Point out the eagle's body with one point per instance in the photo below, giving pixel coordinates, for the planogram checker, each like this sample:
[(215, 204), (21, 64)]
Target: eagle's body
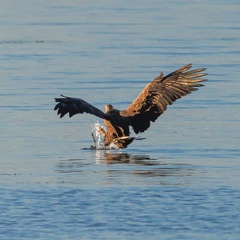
[(146, 108)]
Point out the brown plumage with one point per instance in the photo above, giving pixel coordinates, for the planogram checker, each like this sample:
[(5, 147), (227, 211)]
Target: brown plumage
[(146, 108)]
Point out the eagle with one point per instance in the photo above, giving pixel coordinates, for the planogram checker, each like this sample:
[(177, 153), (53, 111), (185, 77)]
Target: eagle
[(146, 108)]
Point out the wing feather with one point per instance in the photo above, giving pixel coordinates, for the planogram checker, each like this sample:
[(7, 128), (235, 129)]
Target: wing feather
[(160, 93), (75, 106)]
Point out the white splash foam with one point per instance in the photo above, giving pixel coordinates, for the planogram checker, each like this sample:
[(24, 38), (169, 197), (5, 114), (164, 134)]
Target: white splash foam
[(99, 138)]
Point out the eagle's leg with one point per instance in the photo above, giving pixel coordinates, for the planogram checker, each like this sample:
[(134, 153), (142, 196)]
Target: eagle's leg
[(102, 131)]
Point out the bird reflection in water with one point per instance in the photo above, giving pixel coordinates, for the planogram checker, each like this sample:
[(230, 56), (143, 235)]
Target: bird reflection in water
[(114, 157), (138, 164), (145, 165)]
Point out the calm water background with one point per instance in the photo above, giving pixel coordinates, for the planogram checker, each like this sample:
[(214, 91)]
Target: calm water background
[(182, 182)]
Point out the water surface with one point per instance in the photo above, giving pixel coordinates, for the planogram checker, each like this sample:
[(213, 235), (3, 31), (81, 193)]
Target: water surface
[(181, 182)]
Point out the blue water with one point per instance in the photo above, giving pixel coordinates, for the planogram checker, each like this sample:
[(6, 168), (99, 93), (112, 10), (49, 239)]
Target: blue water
[(181, 182), (153, 212)]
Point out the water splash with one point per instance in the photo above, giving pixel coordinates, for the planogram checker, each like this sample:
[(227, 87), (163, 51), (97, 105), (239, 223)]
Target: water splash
[(98, 137)]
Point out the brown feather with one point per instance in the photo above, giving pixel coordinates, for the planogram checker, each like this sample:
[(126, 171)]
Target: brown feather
[(146, 108), (160, 93)]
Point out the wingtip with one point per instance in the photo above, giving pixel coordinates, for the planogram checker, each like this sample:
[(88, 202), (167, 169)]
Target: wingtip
[(56, 99), (184, 68)]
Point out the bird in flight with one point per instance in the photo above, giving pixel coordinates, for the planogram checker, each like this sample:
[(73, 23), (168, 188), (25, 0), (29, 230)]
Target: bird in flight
[(146, 108)]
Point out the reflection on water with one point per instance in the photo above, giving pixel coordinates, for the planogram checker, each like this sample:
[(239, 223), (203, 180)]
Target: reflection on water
[(121, 164), (111, 157)]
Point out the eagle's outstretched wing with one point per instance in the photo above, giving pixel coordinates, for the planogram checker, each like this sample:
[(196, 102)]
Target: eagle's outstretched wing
[(76, 105), (160, 93)]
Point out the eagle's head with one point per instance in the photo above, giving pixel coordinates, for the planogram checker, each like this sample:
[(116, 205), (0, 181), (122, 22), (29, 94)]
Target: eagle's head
[(108, 108)]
